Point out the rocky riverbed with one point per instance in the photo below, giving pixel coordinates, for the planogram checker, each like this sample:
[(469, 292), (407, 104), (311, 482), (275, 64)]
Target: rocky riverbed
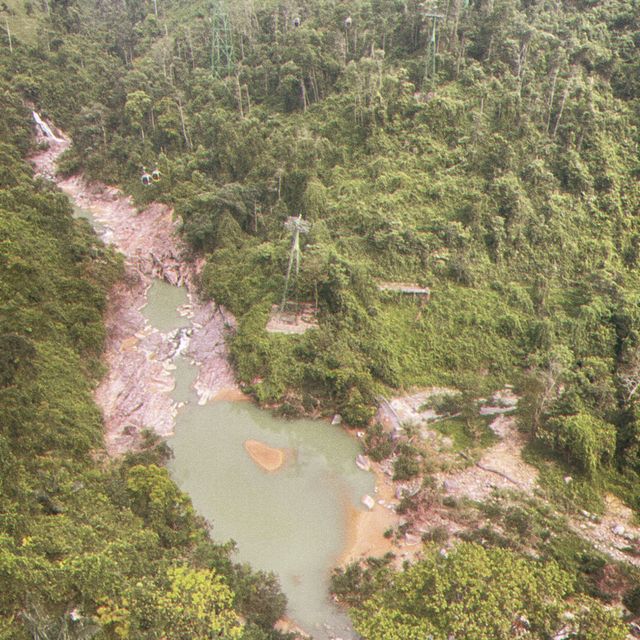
[(136, 393)]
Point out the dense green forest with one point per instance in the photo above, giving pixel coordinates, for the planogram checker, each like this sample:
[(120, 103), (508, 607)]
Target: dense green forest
[(486, 149), (505, 180)]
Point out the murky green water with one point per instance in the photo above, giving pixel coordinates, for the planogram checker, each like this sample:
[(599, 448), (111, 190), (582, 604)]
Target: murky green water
[(161, 309), (292, 521)]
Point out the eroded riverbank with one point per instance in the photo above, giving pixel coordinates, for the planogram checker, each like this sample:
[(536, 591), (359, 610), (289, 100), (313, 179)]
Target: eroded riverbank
[(136, 392)]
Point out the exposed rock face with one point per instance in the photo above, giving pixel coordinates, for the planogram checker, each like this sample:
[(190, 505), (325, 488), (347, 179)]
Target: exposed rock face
[(136, 393), (208, 349), (450, 486)]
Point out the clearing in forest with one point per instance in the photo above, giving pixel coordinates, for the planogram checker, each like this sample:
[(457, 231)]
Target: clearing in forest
[(294, 318)]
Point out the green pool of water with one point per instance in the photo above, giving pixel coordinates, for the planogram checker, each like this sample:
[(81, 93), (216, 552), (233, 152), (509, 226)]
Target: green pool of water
[(161, 308), (292, 521)]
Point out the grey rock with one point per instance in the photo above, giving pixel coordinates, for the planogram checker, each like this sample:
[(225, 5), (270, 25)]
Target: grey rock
[(450, 485), (411, 539), (363, 462), (368, 502)]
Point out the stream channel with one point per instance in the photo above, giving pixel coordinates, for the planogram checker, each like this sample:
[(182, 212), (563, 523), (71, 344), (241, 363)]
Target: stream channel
[(293, 521)]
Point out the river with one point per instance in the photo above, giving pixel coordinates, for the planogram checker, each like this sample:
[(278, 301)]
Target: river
[(292, 521), (169, 370)]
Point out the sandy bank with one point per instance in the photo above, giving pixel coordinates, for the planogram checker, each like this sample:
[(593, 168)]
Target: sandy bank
[(231, 394), (266, 457), (365, 529)]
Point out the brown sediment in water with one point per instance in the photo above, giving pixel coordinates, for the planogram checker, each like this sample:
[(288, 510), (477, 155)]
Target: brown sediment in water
[(231, 394), (287, 625), (266, 457), (365, 529)]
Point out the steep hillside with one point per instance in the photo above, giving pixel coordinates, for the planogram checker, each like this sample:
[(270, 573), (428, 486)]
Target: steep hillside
[(89, 547), (485, 151)]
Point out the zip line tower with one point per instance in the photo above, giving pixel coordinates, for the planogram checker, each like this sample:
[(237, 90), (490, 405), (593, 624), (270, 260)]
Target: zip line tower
[(296, 226)]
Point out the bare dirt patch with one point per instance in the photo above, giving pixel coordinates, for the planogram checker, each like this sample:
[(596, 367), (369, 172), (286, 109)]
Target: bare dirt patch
[(614, 533), (292, 322), (409, 409), (500, 467)]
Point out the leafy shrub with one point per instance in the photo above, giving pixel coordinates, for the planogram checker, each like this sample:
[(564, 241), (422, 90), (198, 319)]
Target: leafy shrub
[(406, 466), (378, 444), (437, 535), (631, 600), (586, 440)]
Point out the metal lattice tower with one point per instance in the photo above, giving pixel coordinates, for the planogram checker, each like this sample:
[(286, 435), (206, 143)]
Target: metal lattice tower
[(296, 226), (432, 14), (222, 57)]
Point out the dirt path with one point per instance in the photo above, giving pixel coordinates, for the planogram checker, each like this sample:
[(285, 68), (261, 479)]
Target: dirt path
[(136, 392)]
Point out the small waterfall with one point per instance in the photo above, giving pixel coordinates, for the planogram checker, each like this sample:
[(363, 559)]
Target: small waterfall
[(181, 338), (44, 127)]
